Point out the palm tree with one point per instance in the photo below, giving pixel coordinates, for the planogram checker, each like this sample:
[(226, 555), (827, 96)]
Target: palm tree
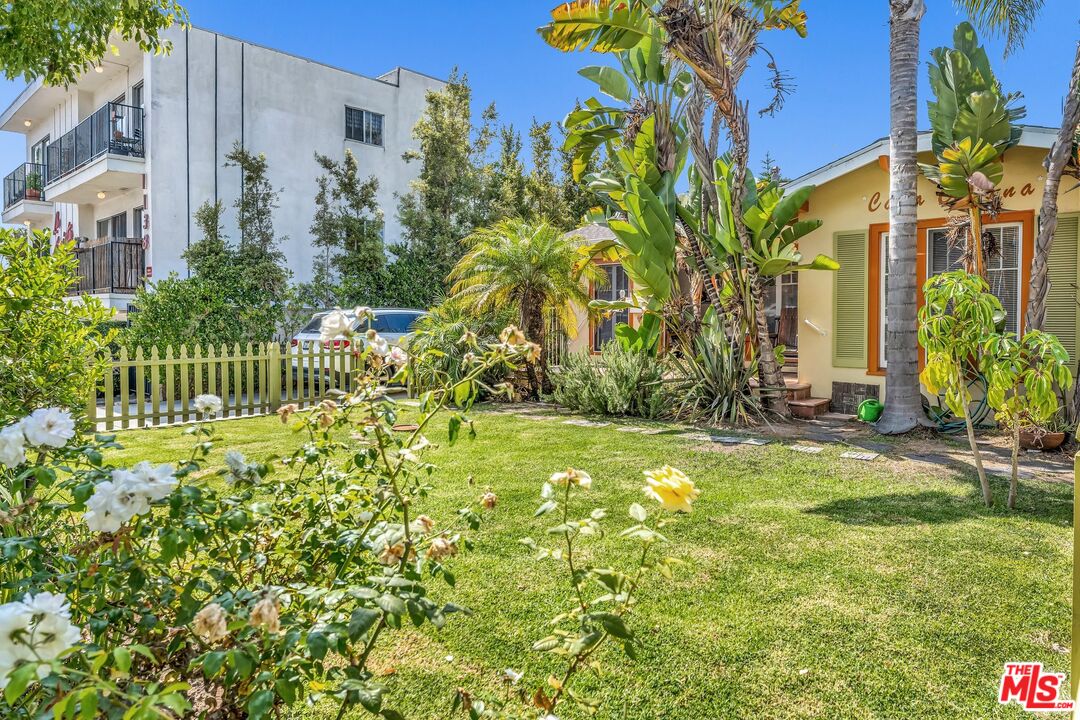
[(903, 411), (532, 267), (1059, 158), (1012, 18)]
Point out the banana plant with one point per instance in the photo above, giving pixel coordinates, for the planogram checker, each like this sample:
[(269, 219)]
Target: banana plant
[(973, 125)]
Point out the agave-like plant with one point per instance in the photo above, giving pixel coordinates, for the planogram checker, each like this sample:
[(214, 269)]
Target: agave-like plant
[(973, 125)]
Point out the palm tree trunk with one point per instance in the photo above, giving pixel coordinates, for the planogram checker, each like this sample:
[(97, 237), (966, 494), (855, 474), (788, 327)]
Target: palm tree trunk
[(903, 407), (1059, 155), (532, 322)]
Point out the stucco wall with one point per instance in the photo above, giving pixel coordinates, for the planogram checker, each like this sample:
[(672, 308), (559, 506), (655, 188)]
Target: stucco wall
[(289, 108), (844, 204)]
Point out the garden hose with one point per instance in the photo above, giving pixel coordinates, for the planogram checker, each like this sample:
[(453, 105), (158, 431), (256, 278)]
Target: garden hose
[(978, 410)]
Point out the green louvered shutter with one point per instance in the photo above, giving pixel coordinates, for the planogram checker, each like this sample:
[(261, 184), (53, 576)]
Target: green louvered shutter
[(1061, 316), (849, 300)]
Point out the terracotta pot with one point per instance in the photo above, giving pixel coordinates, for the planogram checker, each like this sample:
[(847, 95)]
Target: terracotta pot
[(1030, 440), (32, 194)]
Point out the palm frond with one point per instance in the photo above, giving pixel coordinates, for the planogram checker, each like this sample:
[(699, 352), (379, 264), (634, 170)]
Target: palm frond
[(1009, 18)]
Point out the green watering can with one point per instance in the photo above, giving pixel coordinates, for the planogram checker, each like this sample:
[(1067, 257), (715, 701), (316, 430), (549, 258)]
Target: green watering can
[(870, 410)]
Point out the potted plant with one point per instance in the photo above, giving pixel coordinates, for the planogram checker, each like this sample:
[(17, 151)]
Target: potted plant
[(1046, 436), (33, 186)]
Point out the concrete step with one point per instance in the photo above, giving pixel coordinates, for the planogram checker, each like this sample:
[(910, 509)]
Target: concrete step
[(798, 391), (809, 408)]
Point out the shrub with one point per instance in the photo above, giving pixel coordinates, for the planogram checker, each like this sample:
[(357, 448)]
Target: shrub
[(618, 382), (52, 348), (439, 352), (233, 585)]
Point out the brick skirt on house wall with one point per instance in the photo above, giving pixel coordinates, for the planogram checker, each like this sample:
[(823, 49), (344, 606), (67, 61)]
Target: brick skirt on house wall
[(846, 397)]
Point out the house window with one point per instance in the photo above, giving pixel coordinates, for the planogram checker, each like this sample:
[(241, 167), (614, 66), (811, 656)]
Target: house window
[(617, 287), (103, 228), (363, 126), (113, 227), (37, 151), (1002, 270), (137, 95), (137, 222), (883, 297)]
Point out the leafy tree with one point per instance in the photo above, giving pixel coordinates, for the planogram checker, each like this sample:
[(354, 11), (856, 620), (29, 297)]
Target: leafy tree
[(58, 41), (53, 349), (1023, 377), (348, 223), (508, 176), (542, 194), (258, 251), (957, 319), (450, 196), (528, 266), (225, 301)]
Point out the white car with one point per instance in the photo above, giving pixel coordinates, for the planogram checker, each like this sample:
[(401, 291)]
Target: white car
[(392, 324)]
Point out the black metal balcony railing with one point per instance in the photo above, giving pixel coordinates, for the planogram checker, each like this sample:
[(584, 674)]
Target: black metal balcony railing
[(113, 128), (24, 183), (114, 265)]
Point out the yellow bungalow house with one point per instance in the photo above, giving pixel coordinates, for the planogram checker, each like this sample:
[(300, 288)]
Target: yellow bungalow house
[(842, 315), (833, 324)]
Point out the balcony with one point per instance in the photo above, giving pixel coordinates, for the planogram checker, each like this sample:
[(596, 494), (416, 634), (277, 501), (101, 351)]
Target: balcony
[(110, 266), (103, 153), (24, 199)]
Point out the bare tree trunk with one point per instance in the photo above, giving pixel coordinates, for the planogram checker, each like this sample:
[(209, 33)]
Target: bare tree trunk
[(988, 498), (1048, 213), (1014, 481), (903, 406)]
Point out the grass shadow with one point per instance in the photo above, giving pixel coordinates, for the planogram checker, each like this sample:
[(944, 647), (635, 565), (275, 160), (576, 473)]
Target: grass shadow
[(1038, 501)]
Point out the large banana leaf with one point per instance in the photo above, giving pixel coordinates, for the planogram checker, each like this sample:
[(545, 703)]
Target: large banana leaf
[(960, 162), (611, 81), (599, 25)]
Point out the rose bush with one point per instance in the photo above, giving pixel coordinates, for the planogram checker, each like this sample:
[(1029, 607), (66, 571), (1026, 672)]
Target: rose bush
[(218, 586)]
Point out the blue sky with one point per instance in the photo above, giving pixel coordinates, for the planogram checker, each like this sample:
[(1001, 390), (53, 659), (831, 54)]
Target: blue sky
[(841, 69)]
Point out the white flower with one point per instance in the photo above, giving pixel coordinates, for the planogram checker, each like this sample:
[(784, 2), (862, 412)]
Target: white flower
[(12, 449), (266, 613), (240, 468), (363, 312), (378, 345), (210, 623), (207, 405), (398, 356), (511, 675), (157, 482), (37, 629), (114, 502), (572, 477), (51, 427), (334, 326)]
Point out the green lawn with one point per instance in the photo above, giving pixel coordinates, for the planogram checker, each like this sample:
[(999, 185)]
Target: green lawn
[(815, 587)]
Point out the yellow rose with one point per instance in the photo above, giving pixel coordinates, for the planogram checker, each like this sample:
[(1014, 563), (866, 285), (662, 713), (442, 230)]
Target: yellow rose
[(671, 488)]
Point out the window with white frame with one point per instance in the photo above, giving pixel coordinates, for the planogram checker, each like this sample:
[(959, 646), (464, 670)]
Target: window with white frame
[(363, 126), (883, 296), (1002, 270), (617, 287)]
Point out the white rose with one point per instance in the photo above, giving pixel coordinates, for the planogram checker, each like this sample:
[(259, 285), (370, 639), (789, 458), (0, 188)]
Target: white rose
[(207, 405), (114, 502), (378, 345), (157, 482), (15, 620), (334, 326), (210, 623), (12, 448), (50, 427), (398, 356), (363, 312), (37, 628)]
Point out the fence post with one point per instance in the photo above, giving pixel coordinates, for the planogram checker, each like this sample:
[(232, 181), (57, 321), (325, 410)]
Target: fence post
[(1074, 674), (274, 377)]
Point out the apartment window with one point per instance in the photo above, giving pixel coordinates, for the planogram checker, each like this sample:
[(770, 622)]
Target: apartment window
[(1002, 271), (113, 227), (137, 95), (103, 228), (137, 222), (616, 288), (363, 126)]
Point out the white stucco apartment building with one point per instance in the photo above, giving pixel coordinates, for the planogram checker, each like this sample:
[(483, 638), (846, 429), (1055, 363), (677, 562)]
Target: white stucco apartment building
[(119, 161)]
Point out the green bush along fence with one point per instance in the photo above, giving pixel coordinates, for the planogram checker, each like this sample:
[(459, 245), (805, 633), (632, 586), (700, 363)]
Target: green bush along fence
[(148, 388)]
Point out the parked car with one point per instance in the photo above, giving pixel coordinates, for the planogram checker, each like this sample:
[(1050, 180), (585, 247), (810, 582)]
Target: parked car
[(392, 324)]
